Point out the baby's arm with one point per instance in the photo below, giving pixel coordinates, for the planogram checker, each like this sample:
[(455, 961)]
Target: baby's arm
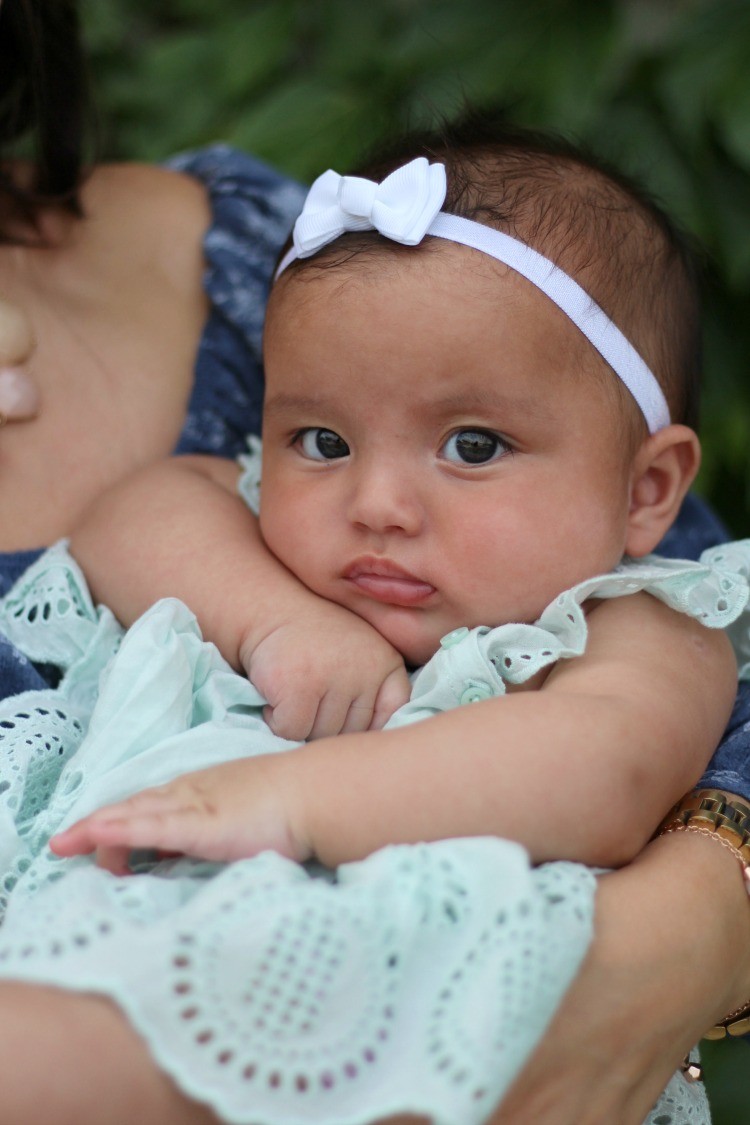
[(179, 529), (582, 769)]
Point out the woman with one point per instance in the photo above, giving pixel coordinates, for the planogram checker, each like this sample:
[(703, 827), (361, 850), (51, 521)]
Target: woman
[(102, 317)]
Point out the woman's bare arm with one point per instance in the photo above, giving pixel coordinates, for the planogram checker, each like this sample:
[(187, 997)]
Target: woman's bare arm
[(670, 957)]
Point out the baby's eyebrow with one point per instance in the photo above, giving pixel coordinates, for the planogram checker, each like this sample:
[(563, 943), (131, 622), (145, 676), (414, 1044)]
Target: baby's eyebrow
[(285, 403), (490, 400), (481, 400)]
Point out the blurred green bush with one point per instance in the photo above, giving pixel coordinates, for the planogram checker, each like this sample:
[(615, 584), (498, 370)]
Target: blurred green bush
[(661, 87)]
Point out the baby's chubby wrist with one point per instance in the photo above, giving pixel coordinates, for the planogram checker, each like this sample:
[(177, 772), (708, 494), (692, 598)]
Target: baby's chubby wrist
[(320, 668), (285, 602), (292, 615), (292, 777), (315, 782)]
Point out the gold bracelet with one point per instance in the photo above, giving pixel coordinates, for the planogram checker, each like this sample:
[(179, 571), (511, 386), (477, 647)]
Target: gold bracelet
[(734, 1024), (711, 813)]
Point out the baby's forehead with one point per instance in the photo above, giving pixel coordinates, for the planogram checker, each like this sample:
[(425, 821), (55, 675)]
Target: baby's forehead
[(443, 277), (487, 322)]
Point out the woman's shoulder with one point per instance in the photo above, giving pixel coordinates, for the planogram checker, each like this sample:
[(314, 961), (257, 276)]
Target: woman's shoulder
[(147, 209), (232, 203), (115, 182)]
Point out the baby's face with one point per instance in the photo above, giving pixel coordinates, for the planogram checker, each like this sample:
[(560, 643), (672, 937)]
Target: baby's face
[(433, 453)]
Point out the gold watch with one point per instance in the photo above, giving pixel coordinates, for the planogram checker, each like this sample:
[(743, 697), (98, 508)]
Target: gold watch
[(726, 819)]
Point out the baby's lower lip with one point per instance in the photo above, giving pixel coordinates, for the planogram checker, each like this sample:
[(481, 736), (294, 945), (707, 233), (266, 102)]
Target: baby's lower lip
[(393, 591)]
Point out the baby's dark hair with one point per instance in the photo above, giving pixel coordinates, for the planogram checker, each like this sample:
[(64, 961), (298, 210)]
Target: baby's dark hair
[(591, 220)]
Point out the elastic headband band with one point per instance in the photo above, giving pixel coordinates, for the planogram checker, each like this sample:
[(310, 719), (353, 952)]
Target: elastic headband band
[(406, 206)]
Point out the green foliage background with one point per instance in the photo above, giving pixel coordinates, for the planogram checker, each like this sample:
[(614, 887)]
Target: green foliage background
[(661, 87)]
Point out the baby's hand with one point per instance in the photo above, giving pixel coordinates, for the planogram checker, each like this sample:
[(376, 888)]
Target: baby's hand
[(325, 671), (230, 811)]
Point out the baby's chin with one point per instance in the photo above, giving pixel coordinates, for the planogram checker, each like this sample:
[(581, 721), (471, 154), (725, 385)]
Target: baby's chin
[(416, 646)]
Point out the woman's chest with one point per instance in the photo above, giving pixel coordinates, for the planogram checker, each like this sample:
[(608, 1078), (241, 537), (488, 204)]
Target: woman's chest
[(115, 313)]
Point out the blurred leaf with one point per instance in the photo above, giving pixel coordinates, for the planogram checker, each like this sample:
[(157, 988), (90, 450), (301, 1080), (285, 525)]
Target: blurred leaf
[(301, 127), (253, 48), (728, 191), (733, 116), (660, 87)]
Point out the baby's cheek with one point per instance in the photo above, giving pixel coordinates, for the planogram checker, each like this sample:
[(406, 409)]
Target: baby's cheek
[(274, 522), (286, 532)]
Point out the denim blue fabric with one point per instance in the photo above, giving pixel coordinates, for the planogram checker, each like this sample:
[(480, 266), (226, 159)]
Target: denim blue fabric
[(696, 529), (253, 208), (12, 566), (17, 673)]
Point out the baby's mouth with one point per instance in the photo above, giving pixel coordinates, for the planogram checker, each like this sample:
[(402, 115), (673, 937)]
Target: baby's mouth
[(386, 581)]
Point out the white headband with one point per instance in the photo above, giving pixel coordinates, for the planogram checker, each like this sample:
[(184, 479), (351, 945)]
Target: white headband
[(406, 206)]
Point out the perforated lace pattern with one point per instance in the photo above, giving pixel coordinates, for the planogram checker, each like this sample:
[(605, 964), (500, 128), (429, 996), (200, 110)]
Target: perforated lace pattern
[(49, 616), (420, 978), (284, 998), (682, 1103)]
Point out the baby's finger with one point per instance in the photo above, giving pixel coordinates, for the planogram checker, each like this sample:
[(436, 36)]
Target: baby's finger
[(293, 718), (114, 859), (170, 831), (359, 717), (333, 711), (395, 691), (72, 841), (81, 838)]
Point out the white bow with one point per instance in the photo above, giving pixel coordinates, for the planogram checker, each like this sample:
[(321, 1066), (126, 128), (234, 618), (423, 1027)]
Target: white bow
[(401, 207)]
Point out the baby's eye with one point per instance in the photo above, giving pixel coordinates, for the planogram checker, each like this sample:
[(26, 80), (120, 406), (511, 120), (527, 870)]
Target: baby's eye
[(473, 447), (321, 445)]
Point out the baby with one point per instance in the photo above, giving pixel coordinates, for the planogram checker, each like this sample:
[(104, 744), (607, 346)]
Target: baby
[(481, 365), (454, 434)]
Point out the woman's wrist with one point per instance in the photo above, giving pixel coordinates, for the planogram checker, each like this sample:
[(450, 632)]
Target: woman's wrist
[(670, 956), (718, 816), (722, 819), (703, 923)]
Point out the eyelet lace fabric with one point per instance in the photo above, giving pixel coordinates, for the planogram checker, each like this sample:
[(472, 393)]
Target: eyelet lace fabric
[(417, 980), (682, 1103)]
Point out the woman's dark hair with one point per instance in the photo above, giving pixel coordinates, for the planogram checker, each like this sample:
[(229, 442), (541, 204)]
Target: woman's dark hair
[(44, 106)]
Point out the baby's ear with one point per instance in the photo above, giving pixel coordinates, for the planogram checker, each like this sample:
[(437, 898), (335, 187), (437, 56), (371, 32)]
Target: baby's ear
[(663, 470)]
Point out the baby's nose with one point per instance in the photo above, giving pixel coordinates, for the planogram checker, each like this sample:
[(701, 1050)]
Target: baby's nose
[(386, 499)]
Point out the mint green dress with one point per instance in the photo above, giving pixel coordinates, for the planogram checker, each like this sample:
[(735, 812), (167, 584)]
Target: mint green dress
[(417, 980)]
